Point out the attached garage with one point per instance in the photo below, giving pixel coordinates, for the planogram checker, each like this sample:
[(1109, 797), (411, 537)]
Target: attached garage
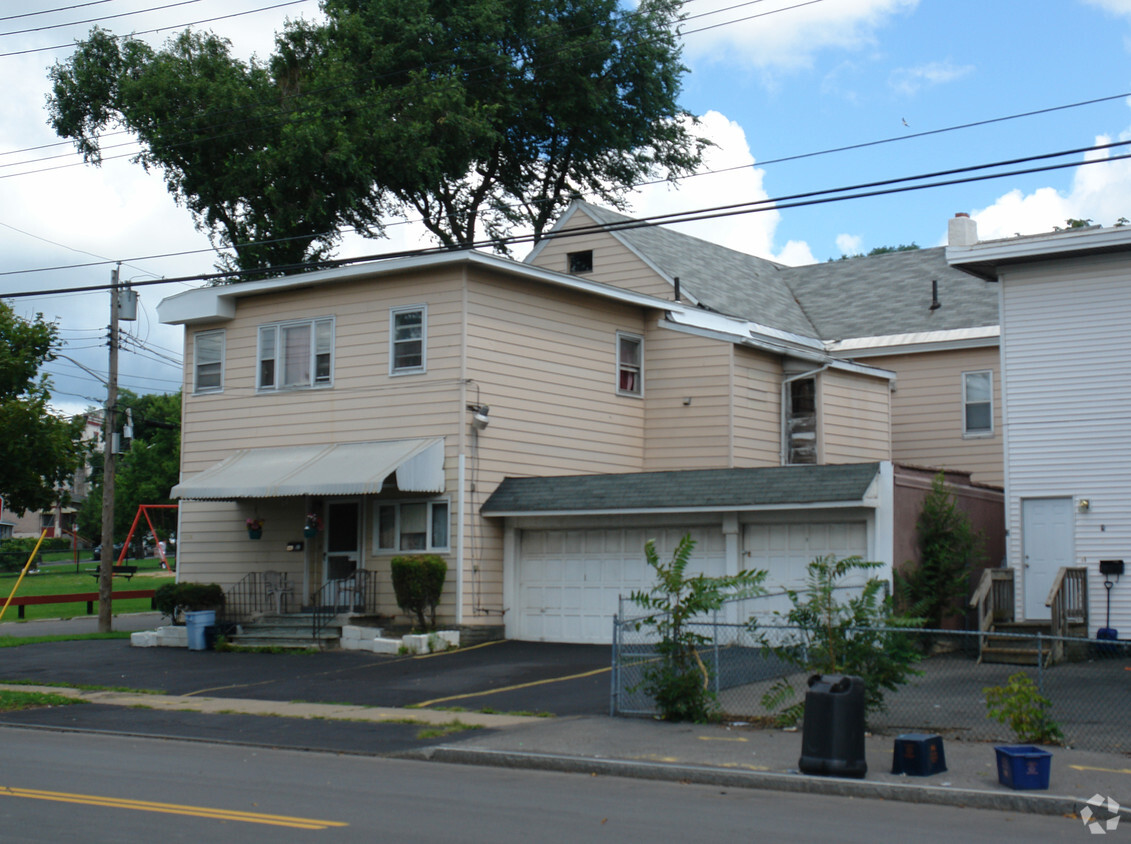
[(571, 553)]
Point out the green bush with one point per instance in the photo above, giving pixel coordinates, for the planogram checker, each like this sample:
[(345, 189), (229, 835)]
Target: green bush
[(1024, 709), (189, 597), (418, 581)]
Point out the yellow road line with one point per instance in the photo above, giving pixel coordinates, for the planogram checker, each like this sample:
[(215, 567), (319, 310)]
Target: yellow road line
[(513, 688), (169, 808), (1104, 770), (721, 738)]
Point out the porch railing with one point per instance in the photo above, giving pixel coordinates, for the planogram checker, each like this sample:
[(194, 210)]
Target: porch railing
[(994, 601), (1068, 600), (356, 593), (244, 600)]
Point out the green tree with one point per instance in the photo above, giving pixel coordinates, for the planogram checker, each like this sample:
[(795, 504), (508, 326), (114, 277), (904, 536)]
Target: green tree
[(478, 116), (41, 450), (679, 681), (949, 549), (148, 469)]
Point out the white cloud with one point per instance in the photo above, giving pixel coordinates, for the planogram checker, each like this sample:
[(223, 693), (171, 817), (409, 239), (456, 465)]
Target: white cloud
[(782, 35), (849, 244), (751, 233), (1115, 7), (1098, 192), (909, 80)]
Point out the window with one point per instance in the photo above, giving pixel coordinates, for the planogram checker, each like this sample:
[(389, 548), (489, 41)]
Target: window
[(208, 362), (801, 422), (978, 403), (412, 526), (408, 330), (580, 262), (294, 355), (630, 364)]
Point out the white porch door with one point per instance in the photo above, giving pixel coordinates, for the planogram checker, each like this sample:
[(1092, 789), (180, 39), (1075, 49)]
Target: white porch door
[(1046, 545), (342, 546)]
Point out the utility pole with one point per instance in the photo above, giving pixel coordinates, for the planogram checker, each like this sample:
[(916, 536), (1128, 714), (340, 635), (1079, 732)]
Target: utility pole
[(105, 573)]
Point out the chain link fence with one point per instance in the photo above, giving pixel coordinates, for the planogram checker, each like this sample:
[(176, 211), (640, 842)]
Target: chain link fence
[(1087, 684)]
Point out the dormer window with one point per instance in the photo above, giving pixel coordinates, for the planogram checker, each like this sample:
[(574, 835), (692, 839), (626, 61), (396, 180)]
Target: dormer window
[(580, 262)]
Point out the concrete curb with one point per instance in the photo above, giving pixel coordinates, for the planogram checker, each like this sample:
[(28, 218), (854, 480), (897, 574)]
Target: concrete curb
[(1028, 803)]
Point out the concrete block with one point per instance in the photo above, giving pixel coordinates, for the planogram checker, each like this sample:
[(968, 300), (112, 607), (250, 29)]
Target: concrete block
[(450, 637), (143, 639), (416, 643), (351, 633), (385, 646), (172, 637)]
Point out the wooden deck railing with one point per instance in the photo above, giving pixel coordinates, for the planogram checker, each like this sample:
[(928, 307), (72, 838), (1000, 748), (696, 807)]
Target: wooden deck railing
[(1068, 600), (994, 601)]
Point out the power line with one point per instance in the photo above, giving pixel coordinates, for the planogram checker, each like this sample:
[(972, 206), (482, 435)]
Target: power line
[(841, 194), (53, 11), (96, 20)]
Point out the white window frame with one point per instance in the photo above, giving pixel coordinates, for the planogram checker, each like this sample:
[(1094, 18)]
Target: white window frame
[(275, 330), (393, 314), (196, 362), (975, 433), (431, 505), (622, 366)]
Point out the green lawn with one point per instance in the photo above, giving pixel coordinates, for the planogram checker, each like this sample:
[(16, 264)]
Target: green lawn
[(61, 579)]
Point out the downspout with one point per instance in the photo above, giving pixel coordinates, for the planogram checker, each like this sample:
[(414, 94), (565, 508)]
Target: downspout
[(461, 459), (784, 448)]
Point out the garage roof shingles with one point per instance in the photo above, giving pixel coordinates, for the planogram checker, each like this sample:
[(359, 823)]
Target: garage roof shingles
[(683, 490)]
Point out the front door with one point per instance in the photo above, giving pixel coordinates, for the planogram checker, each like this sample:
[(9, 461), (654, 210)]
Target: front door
[(1046, 545), (343, 540)]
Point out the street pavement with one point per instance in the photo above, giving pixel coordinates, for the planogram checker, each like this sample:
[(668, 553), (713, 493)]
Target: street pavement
[(350, 702)]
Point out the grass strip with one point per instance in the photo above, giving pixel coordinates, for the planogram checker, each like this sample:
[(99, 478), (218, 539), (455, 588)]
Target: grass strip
[(11, 701), (16, 641)]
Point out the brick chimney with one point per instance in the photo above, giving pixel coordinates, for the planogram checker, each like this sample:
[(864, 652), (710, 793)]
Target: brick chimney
[(961, 230)]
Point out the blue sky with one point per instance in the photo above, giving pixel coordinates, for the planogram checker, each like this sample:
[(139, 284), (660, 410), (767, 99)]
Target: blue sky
[(794, 78)]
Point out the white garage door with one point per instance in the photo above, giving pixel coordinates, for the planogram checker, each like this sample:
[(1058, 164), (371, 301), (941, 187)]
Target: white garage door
[(785, 550), (569, 580)]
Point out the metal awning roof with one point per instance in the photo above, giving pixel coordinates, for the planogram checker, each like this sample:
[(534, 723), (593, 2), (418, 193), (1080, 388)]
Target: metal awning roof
[(334, 469)]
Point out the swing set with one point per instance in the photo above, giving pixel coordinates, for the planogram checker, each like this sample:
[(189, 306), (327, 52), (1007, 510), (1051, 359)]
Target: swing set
[(158, 543)]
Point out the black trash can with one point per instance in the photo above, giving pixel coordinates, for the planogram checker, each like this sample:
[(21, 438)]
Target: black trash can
[(832, 736)]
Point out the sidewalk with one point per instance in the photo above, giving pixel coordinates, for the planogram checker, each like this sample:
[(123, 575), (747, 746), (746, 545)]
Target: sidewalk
[(732, 756)]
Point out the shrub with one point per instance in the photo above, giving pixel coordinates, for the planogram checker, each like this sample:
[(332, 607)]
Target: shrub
[(1021, 706), (172, 598), (679, 681), (851, 636), (418, 581)]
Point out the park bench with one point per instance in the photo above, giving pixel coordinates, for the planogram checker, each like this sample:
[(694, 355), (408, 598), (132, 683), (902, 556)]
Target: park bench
[(118, 571), (89, 598)]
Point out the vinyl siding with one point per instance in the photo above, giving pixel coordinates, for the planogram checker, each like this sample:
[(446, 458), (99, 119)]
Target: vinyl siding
[(679, 434), (613, 262), (1067, 360), (853, 417), (927, 412), (757, 408)]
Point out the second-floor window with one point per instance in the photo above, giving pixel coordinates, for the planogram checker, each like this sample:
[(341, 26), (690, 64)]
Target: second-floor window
[(630, 364), (294, 355), (208, 362), (978, 403), (408, 332)]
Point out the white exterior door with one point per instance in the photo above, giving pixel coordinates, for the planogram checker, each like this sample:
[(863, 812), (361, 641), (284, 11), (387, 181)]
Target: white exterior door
[(1046, 545), (569, 581)]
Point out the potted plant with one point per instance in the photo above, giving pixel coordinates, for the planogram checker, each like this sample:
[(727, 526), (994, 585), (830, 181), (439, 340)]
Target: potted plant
[(312, 526), (254, 528)]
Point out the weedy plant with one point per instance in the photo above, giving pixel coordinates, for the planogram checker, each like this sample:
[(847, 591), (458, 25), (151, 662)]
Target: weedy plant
[(1020, 705), (679, 681)]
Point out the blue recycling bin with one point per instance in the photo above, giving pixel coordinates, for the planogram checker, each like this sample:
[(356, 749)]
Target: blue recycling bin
[(196, 624), (832, 734)]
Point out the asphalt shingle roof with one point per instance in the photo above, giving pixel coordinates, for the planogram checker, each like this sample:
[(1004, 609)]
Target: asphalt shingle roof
[(858, 297), (683, 490)]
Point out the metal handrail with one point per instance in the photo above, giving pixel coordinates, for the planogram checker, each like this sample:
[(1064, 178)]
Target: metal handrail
[(356, 593)]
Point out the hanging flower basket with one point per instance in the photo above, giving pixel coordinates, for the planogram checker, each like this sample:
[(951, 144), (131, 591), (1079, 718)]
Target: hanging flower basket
[(312, 526), (254, 528)]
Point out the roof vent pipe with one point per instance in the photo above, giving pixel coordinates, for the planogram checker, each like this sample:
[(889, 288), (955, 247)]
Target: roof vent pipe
[(676, 280), (935, 303)]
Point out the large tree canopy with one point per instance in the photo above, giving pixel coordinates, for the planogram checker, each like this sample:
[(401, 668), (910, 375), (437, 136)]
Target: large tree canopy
[(40, 451), (479, 116)]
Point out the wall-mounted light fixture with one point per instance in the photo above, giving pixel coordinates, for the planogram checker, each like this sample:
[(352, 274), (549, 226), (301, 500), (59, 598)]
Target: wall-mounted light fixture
[(479, 418), (1083, 505)]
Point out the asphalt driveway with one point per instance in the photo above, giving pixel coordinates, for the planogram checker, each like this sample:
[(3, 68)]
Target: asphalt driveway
[(501, 676)]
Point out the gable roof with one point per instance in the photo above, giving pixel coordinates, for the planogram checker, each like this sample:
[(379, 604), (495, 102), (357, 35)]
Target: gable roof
[(687, 490), (865, 297), (718, 278)]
